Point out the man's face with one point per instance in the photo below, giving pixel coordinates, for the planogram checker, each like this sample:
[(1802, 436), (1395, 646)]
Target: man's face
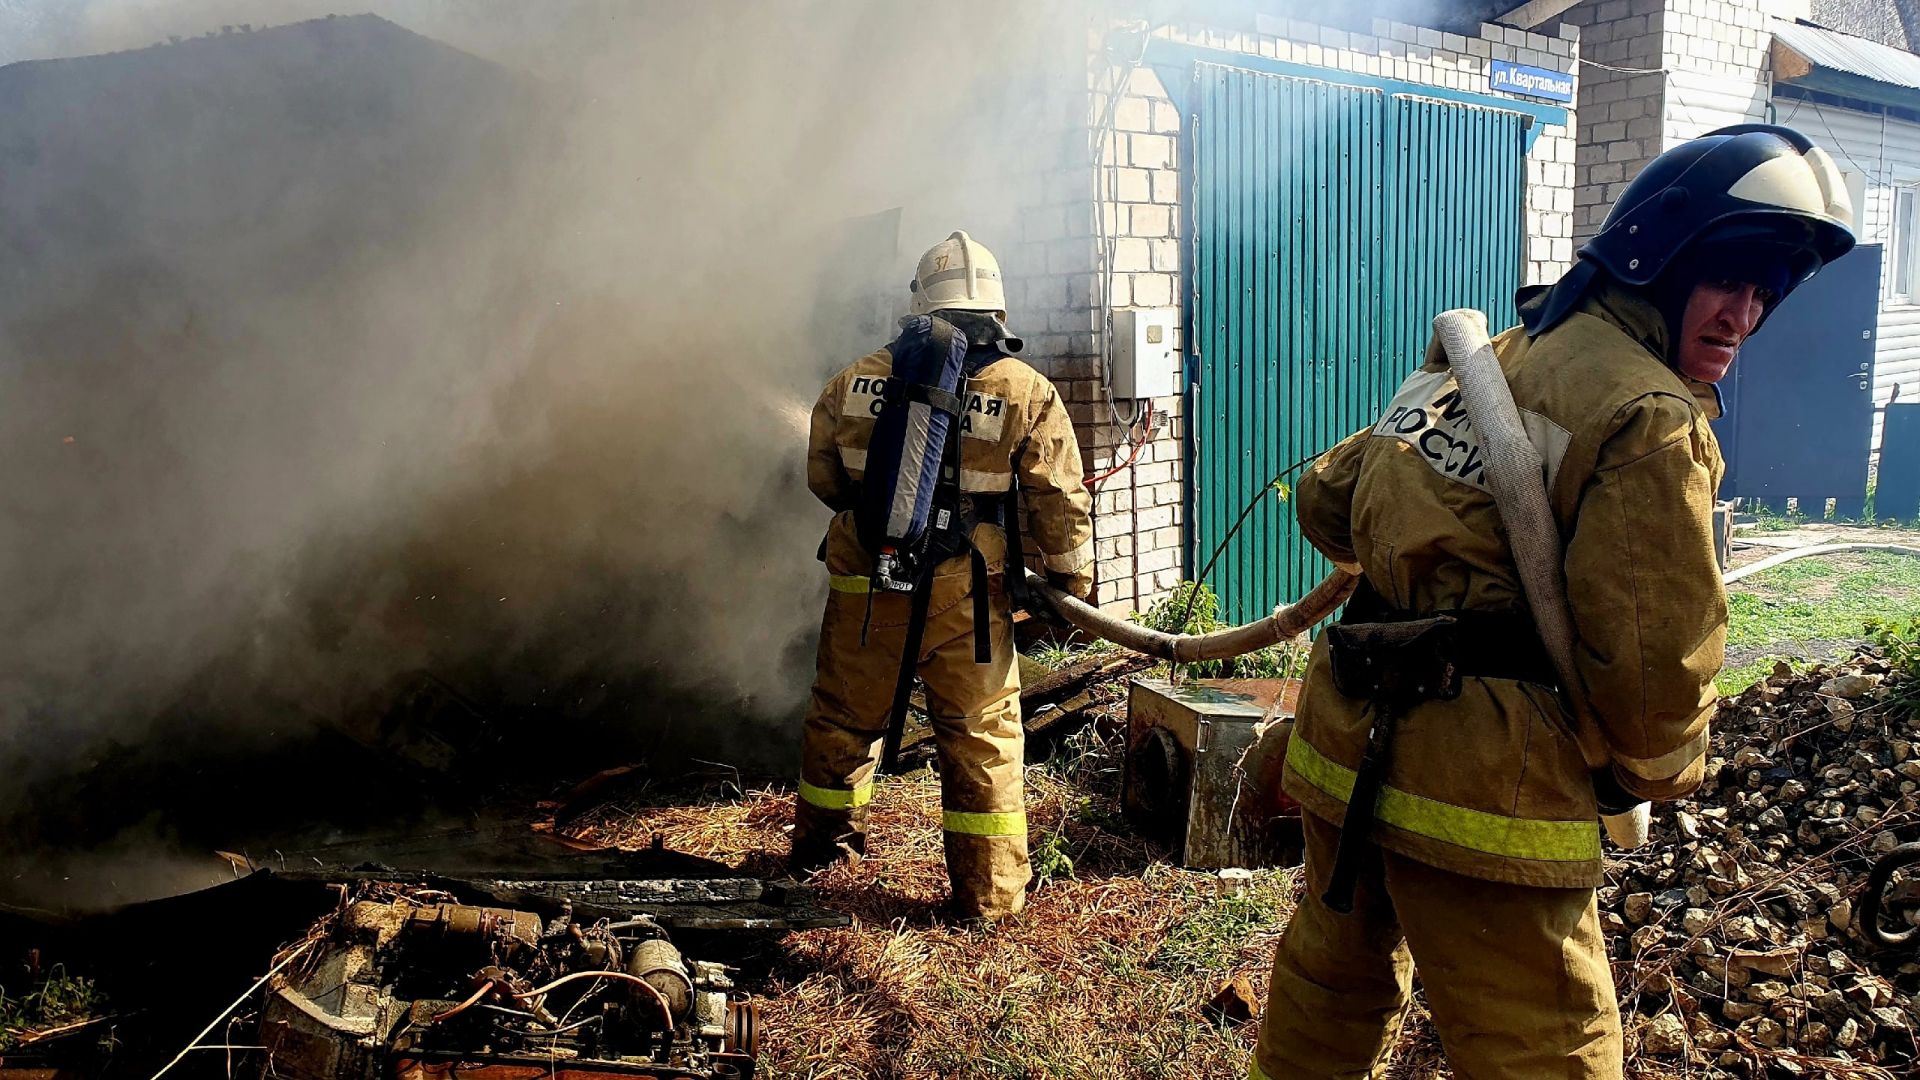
[(1719, 316)]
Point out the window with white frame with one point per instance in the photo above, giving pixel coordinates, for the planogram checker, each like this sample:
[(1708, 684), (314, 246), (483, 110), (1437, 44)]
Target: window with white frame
[(1903, 275)]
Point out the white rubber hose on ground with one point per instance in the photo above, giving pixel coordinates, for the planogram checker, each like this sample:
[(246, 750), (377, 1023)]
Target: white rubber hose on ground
[(1287, 622), (1516, 476), (1772, 561)]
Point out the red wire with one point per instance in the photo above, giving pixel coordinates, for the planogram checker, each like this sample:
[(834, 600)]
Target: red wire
[(465, 1005), (1131, 458)]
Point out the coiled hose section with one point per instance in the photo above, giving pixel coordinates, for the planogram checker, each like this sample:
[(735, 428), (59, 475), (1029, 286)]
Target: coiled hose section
[(1870, 900)]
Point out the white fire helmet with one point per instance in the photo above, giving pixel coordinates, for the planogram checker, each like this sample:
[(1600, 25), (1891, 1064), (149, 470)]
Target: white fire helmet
[(957, 274)]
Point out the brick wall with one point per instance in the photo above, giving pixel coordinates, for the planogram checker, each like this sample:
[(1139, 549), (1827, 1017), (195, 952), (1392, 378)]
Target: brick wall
[(1657, 73), (1139, 510), (1622, 100)]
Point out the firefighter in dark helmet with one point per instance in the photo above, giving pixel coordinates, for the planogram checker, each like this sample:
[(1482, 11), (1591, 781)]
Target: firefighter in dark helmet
[(1485, 847)]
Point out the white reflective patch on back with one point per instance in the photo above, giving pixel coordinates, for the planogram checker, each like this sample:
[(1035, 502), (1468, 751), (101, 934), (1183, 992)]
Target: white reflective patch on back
[(1428, 415), (985, 418)]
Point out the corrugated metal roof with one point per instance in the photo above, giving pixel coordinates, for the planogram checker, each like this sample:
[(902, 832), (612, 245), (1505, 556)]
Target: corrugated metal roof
[(1845, 53)]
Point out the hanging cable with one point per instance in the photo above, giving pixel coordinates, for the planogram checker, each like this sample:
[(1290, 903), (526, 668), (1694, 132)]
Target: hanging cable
[(1245, 512), (1105, 134), (1625, 70)]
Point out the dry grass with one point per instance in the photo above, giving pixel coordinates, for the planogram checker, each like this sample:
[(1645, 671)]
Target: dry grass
[(1105, 974)]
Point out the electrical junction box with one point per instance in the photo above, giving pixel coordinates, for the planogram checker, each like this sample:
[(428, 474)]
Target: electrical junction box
[(1203, 770), (1143, 361)]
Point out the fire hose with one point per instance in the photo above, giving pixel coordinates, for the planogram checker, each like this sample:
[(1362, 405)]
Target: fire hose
[(1872, 899), (1285, 623), (1516, 476)]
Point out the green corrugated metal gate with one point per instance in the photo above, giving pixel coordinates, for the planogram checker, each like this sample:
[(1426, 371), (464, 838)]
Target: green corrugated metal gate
[(1330, 224)]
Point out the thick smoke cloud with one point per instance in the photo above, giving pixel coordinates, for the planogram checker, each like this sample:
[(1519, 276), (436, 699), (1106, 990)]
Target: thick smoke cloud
[(468, 362)]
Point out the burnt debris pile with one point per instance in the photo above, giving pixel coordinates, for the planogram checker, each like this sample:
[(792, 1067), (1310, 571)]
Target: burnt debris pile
[(1737, 933)]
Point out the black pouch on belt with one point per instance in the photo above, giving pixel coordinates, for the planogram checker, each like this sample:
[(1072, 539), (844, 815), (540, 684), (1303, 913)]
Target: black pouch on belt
[(1393, 666)]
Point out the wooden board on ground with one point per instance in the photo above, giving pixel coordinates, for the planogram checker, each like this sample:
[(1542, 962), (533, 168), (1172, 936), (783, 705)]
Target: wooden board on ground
[(1051, 705)]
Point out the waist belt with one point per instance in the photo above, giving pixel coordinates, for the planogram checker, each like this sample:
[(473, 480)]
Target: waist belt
[(1486, 644), (1394, 659)]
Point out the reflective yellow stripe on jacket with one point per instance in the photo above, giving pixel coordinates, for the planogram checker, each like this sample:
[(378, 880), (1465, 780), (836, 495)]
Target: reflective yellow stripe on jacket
[(970, 824), (1476, 830), (837, 798), (849, 583), (1255, 1072)]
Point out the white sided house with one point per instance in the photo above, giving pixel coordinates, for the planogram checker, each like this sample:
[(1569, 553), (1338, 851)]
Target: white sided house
[(1660, 72)]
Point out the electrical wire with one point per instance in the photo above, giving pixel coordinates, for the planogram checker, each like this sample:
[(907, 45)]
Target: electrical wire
[(465, 1005), (1108, 240), (1093, 482), (1626, 70), (660, 999), (575, 1026), (237, 1002), (1245, 511)]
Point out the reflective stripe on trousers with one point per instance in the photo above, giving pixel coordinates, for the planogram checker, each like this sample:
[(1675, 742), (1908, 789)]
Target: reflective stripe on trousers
[(1476, 830), (974, 824), (837, 798), (974, 712)]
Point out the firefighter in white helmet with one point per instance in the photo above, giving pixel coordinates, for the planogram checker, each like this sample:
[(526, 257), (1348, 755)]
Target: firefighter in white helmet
[(1018, 477)]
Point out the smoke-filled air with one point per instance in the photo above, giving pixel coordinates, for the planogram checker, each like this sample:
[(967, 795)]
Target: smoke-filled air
[(454, 358)]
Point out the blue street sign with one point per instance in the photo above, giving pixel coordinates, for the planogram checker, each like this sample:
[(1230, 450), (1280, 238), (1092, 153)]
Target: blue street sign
[(1511, 78)]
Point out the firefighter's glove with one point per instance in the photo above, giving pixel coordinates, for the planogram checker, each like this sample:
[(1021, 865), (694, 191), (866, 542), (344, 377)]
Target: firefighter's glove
[(1612, 797)]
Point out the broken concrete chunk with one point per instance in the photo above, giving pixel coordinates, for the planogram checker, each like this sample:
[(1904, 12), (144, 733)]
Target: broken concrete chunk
[(1638, 908), (1665, 1036), (1646, 938), (1841, 915), (1776, 962), (1847, 687), (1889, 1018)]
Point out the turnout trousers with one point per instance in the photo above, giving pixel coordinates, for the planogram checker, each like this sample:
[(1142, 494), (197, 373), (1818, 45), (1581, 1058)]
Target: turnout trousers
[(975, 713), (1516, 977)]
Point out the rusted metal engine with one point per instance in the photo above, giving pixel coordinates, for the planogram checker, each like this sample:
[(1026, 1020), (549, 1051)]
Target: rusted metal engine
[(406, 984)]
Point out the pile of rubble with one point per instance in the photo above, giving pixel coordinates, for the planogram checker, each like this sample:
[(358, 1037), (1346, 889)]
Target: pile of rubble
[(1734, 934)]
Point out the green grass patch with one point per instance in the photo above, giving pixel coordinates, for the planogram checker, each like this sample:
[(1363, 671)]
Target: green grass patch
[(58, 1000), (1054, 655), (1900, 641), (1811, 600), (1733, 680)]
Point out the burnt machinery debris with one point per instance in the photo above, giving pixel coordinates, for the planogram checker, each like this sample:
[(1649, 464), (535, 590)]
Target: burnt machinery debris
[(514, 960), (404, 983)]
